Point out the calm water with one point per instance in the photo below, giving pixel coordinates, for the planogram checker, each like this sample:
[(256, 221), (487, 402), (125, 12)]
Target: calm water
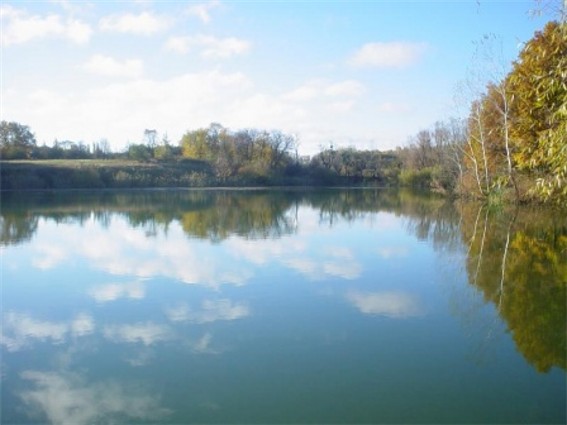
[(355, 306)]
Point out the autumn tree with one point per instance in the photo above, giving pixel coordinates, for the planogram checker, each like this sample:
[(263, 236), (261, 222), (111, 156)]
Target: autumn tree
[(538, 82), (249, 154)]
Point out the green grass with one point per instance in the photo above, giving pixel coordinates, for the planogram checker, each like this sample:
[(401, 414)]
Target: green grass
[(101, 173)]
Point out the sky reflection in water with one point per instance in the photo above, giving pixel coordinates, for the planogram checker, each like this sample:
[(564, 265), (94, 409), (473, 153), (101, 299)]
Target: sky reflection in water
[(345, 306)]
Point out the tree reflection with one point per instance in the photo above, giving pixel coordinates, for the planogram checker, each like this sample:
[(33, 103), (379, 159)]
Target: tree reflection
[(260, 215), (213, 215), (217, 214), (518, 259), (16, 228)]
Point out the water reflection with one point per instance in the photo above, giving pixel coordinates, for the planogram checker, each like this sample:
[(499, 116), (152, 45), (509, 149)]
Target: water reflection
[(210, 311), (215, 215), (389, 304), (21, 330), (212, 215), (114, 291), (207, 291), (68, 398), (16, 228), (518, 259)]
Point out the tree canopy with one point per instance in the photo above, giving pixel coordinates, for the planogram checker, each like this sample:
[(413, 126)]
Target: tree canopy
[(518, 127), (538, 87), (16, 141)]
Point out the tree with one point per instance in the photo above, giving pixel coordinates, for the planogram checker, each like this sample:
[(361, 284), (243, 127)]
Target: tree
[(517, 125), (16, 141), (101, 149), (538, 82), (139, 152), (194, 144), (150, 137)]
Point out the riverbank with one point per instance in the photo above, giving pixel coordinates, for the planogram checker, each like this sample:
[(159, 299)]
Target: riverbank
[(16, 175), (102, 174)]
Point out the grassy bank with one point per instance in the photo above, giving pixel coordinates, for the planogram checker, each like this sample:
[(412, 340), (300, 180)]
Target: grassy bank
[(123, 174), (102, 174)]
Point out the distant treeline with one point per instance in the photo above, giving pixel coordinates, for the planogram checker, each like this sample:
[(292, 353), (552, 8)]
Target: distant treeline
[(213, 156)]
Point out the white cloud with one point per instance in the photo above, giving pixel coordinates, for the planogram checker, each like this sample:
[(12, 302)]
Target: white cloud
[(65, 398), (119, 111), (178, 44), (393, 107), (144, 23), (146, 333), (114, 291), (110, 67), (203, 10), (74, 7), (321, 89), (208, 46), (390, 304), (19, 27), (210, 311), (20, 329), (341, 106), (344, 88), (303, 93), (397, 54)]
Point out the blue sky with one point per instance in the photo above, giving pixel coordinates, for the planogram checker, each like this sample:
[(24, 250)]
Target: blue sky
[(367, 74)]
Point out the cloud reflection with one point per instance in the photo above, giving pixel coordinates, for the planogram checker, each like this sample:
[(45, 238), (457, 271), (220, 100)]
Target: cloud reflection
[(20, 329), (390, 304), (65, 398), (335, 261), (210, 311), (388, 252), (124, 250), (146, 333), (49, 256), (82, 325), (114, 291), (204, 345)]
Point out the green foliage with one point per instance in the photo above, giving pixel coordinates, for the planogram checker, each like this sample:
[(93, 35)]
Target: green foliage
[(16, 141), (165, 152), (433, 159), (418, 178), (353, 166), (140, 152), (83, 174)]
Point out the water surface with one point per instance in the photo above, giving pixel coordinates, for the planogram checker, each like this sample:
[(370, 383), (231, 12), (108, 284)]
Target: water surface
[(256, 306)]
